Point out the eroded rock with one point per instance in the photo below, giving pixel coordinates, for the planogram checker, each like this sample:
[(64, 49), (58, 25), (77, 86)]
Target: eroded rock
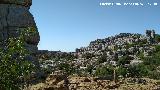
[(15, 16)]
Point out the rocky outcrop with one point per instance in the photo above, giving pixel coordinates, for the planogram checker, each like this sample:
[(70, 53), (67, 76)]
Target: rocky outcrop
[(102, 52), (26, 3), (15, 16)]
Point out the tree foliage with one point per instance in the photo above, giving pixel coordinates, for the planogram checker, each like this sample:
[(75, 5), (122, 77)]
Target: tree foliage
[(66, 68), (124, 60), (157, 38), (14, 68), (102, 59), (87, 55), (122, 71)]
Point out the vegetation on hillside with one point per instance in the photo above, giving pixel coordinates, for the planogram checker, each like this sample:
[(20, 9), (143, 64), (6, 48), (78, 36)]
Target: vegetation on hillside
[(106, 61)]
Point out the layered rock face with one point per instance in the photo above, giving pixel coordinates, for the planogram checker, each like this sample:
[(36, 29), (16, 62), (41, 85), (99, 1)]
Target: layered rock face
[(14, 14), (26, 3)]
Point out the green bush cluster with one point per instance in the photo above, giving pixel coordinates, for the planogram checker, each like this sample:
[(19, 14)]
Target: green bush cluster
[(87, 55), (146, 69), (65, 67), (104, 71), (157, 38), (14, 68)]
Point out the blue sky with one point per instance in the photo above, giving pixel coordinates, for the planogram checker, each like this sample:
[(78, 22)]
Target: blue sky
[(68, 24)]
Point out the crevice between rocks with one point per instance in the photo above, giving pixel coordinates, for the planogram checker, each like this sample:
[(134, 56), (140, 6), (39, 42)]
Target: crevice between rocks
[(7, 24)]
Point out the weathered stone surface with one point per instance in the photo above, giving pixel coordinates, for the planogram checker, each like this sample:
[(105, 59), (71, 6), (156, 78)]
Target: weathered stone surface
[(17, 2), (14, 15), (19, 16)]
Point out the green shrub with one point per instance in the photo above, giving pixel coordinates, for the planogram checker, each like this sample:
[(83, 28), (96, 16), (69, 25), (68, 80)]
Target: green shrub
[(104, 71), (124, 60), (67, 68), (157, 38), (154, 75), (87, 55), (122, 71), (14, 69), (157, 47), (102, 59)]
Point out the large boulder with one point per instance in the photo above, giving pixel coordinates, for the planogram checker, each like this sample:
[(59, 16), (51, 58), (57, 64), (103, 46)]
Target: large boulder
[(15, 16)]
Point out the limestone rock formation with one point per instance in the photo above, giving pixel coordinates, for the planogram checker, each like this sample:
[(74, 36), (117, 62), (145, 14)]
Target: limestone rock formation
[(14, 14), (26, 3), (150, 36)]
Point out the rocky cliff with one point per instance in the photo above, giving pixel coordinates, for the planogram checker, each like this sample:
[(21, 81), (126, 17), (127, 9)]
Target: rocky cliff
[(15, 16)]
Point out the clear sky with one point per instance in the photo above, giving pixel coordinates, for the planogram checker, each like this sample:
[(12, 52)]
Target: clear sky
[(68, 24)]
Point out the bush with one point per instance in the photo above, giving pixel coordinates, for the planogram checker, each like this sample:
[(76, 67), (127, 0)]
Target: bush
[(122, 71), (124, 60), (157, 47), (154, 60), (154, 75), (102, 59), (87, 55), (139, 70), (157, 38), (104, 71), (134, 71), (89, 69), (66, 68)]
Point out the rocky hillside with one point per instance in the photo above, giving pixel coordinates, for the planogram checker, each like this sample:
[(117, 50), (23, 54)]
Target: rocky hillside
[(122, 62), (118, 46), (122, 50)]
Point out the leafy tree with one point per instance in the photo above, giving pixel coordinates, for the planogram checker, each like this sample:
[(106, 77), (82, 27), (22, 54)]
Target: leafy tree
[(14, 68)]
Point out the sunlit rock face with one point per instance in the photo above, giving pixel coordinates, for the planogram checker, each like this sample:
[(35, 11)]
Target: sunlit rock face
[(14, 14)]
